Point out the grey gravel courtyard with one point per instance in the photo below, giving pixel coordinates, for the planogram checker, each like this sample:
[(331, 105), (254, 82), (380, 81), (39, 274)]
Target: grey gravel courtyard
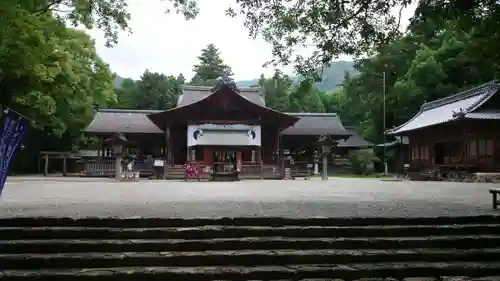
[(338, 197)]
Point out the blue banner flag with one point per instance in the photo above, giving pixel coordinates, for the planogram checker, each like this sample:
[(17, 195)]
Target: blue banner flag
[(15, 127)]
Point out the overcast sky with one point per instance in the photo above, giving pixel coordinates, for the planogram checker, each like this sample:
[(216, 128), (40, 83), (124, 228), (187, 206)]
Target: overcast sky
[(169, 44)]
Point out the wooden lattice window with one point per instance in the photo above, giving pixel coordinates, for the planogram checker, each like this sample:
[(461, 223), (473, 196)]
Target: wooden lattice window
[(485, 147), (414, 153), (472, 148), (424, 153), (489, 148)]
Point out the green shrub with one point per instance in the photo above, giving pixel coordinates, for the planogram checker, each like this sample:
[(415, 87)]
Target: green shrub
[(362, 161)]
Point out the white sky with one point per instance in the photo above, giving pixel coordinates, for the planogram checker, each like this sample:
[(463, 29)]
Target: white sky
[(169, 44)]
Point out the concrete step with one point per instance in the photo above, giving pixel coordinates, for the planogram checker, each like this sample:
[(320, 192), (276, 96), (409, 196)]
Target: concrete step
[(294, 272), (246, 243), (243, 258), (260, 221), (206, 232)]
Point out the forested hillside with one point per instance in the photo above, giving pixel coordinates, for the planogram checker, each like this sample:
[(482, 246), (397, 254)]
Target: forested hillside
[(332, 76), (51, 73)]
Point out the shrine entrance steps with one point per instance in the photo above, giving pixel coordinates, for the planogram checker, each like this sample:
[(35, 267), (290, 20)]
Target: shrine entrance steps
[(249, 249)]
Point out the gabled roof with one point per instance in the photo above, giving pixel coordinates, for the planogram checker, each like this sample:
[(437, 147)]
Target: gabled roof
[(225, 90), (192, 94), (316, 124), (355, 140), (123, 121), (448, 109)]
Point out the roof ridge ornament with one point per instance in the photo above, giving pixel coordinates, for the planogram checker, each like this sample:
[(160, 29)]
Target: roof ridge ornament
[(225, 82), (459, 114)]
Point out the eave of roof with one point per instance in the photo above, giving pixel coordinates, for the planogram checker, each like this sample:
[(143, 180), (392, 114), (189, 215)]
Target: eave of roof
[(484, 115), (447, 109), (317, 124), (355, 140), (130, 121)]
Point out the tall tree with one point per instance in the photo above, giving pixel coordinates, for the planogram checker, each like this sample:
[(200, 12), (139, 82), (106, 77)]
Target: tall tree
[(276, 90), (52, 74), (211, 66), (153, 91), (181, 80)]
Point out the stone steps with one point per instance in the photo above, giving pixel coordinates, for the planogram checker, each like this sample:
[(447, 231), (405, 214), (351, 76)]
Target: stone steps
[(215, 231), (246, 243), (249, 221), (248, 249), (293, 272), (243, 258)]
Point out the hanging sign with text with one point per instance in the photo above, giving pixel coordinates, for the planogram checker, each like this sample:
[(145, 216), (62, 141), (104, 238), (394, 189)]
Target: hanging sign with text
[(15, 127)]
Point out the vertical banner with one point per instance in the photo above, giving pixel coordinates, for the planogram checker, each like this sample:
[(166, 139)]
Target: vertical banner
[(15, 127)]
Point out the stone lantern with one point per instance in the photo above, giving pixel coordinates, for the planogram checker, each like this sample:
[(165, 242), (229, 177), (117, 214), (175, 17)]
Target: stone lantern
[(326, 143), (316, 161), (117, 142)]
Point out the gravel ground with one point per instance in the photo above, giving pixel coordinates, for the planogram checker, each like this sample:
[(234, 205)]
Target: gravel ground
[(77, 197)]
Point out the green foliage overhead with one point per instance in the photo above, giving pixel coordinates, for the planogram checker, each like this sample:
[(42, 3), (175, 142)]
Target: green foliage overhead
[(360, 28), (110, 16)]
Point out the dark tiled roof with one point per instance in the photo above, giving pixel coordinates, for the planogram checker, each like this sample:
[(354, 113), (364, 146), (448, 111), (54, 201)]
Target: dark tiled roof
[(136, 121), (484, 115), (123, 121), (192, 94), (446, 109), (354, 140), (316, 124)]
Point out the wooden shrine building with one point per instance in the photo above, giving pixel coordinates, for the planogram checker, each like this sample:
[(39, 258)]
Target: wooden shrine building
[(222, 128), (456, 135)]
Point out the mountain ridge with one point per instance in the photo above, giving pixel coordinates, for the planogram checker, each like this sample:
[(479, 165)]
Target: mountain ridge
[(332, 77)]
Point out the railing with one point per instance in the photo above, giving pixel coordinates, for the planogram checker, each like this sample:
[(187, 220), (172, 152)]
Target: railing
[(98, 167), (106, 167), (255, 171), (300, 168)]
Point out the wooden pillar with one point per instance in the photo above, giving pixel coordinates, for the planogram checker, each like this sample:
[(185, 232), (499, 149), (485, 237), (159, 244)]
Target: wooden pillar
[(166, 153), (324, 172), (118, 166), (281, 156), (102, 154), (465, 156), (261, 163), (46, 165), (238, 160), (65, 162), (207, 156)]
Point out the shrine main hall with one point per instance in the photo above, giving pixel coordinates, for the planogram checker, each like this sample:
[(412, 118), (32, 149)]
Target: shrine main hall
[(222, 128)]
